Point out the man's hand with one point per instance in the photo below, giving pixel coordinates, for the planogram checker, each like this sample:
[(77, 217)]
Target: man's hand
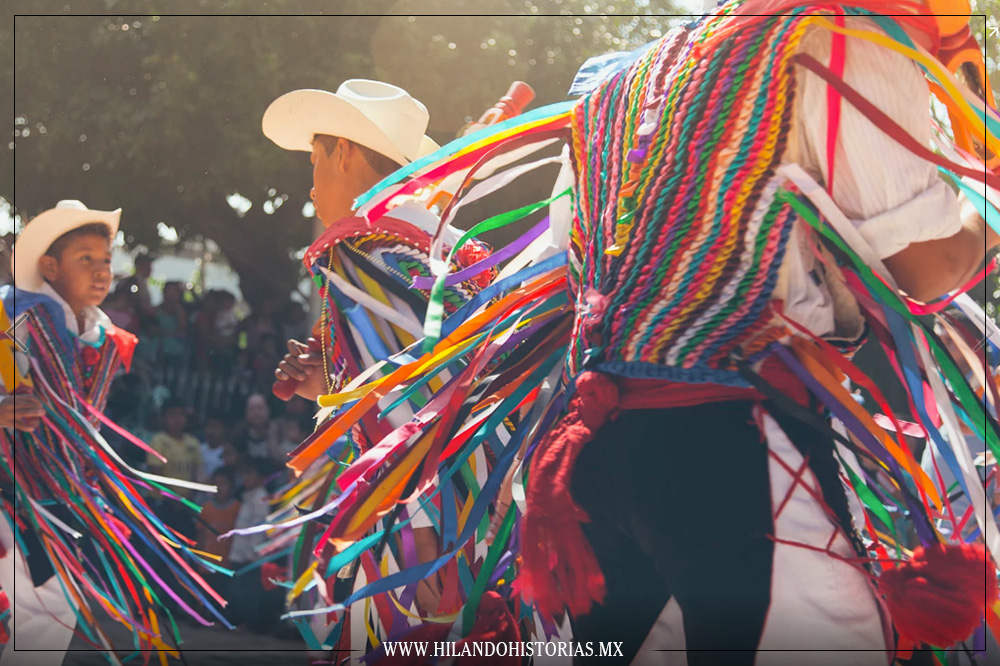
[(21, 411), (304, 364)]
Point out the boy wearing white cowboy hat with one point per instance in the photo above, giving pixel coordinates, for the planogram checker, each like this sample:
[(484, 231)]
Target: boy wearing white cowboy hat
[(63, 254), (67, 495)]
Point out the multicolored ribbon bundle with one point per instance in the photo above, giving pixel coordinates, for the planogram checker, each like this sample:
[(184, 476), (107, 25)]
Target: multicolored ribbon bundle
[(87, 506)]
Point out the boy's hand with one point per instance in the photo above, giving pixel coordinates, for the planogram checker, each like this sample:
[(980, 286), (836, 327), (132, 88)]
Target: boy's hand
[(304, 364), (21, 411)]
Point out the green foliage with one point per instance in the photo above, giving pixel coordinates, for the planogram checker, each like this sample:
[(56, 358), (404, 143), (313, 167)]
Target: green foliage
[(161, 114)]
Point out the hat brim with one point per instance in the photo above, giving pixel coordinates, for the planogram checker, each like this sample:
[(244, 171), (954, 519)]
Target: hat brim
[(292, 120), (39, 234)]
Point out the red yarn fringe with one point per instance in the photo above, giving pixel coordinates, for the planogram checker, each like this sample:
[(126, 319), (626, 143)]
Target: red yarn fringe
[(938, 597), (560, 568)]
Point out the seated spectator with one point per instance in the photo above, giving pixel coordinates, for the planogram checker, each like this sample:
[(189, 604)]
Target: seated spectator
[(214, 446), (231, 456), (259, 433), (218, 515), (294, 430), (181, 449), (252, 606), (183, 456)]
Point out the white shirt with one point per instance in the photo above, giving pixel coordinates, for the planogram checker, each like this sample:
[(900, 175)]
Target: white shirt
[(254, 509), (892, 197), (211, 460)]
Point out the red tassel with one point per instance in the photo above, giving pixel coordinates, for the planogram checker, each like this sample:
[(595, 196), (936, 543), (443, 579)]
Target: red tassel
[(494, 624), (271, 571), (4, 607), (937, 597), (560, 568)]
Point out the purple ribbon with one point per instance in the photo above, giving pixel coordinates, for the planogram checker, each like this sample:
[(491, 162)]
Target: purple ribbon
[(489, 262)]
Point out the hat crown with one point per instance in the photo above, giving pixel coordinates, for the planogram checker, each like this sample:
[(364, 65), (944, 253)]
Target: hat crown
[(71, 204), (396, 113)]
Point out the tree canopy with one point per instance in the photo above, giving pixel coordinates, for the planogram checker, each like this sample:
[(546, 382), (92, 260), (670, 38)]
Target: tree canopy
[(117, 104)]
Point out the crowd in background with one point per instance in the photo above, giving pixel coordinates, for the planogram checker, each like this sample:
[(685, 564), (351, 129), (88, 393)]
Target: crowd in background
[(238, 442)]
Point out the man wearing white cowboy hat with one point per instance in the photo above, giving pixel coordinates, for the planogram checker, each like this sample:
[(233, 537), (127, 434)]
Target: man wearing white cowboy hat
[(357, 136)]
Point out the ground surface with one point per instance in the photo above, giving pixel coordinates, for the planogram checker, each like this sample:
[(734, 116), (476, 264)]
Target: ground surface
[(204, 646)]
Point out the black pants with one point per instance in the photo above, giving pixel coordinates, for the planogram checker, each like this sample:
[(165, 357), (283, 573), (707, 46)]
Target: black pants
[(680, 505)]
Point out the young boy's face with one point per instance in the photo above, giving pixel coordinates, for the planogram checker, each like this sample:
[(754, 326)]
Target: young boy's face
[(174, 421), (225, 487), (81, 274), (215, 432), (251, 479)]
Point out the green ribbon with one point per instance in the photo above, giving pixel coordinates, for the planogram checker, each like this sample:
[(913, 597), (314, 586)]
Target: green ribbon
[(435, 308)]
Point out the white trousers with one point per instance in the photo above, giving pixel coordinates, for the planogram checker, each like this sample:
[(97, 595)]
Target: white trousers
[(42, 618), (823, 610)]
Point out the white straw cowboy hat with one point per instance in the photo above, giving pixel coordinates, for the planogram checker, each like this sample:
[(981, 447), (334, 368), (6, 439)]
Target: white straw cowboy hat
[(376, 115), (39, 234)]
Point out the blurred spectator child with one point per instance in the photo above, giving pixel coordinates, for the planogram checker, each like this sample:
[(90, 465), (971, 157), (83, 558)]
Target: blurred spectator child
[(118, 306), (137, 286), (218, 515), (251, 606), (232, 457), (259, 433), (214, 447), (171, 323), (226, 321), (182, 451), (294, 429)]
